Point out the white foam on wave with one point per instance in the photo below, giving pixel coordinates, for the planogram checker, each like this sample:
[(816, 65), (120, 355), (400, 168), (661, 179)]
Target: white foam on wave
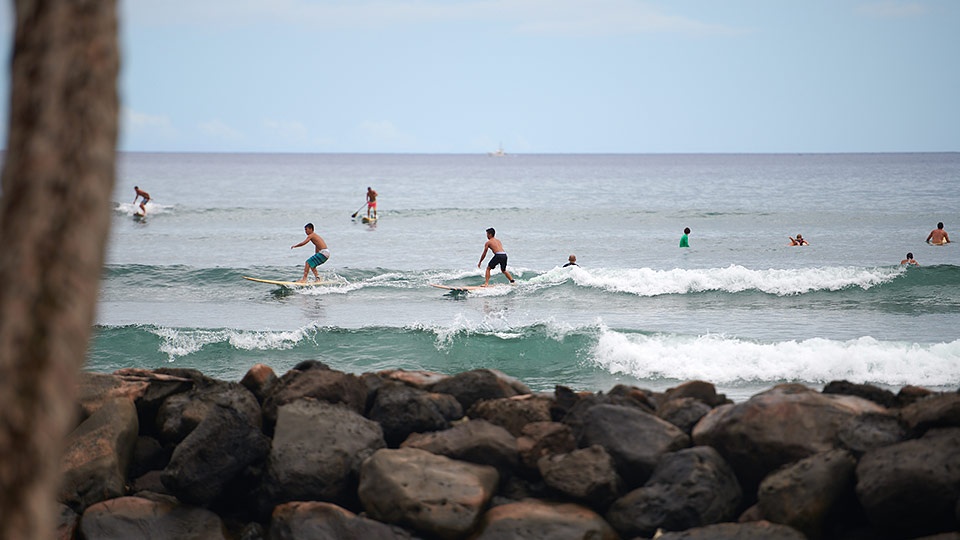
[(152, 208), (732, 279), (496, 324), (725, 360), (176, 343)]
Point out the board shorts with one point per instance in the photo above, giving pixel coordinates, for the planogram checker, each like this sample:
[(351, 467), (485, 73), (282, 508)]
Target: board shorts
[(372, 204), (318, 258), (498, 258)]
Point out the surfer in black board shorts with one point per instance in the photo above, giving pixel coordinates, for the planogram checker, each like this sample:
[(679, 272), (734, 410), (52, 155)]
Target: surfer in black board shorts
[(143, 202), (320, 255), (499, 256)]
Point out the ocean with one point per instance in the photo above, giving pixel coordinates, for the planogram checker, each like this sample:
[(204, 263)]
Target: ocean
[(739, 307)]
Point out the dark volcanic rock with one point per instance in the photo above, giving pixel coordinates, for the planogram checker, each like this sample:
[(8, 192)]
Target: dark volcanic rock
[(634, 438), (757, 530), (689, 488), (97, 455), (144, 519), (811, 493), (314, 380), (683, 412), (776, 427), (434, 495), (470, 387), (587, 475), (869, 431), (941, 410), (325, 521), (699, 390), (540, 439), (212, 455), (402, 410), (317, 450), (866, 391), (182, 413), (912, 488), (476, 441), (541, 520), (513, 413), (259, 380)]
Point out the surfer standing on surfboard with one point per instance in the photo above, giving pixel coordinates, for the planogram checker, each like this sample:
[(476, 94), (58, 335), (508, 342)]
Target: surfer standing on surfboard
[(320, 255), (144, 201), (499, 256), (371, 201), (938, 236)]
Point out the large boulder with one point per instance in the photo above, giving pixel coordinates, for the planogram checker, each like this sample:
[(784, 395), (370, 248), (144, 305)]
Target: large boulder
[(325, 521), (145, 519), (181, 413), (259, 380), (434, 495), (700, 390), (417, 379), (539, 439), (587, 475), (213, 455), (866, 391), (940, 410), (811, 493), (756, 530), (470, 387), (913, 488), (317, 450), (635, 439), (402, 410), (513, 413), (540, 520), (689, 488), (476, 441), (683, 412), (315, 380), (98, 453), (782, 425), (67, 523), (866, 432)]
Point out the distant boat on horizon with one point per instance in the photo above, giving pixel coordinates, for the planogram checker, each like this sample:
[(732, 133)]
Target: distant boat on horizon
[(499, 152)]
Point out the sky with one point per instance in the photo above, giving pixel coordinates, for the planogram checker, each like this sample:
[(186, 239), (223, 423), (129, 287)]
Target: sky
[(536, 76)]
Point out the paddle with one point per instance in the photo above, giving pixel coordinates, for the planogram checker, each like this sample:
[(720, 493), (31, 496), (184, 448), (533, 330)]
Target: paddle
[(358, 211)]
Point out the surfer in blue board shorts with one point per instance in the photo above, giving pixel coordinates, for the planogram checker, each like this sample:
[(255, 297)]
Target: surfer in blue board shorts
[(320, 255), (499, 256), (145, 198)]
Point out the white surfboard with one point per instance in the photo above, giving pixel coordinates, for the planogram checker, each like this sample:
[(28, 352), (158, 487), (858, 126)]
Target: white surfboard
[(290, 284)]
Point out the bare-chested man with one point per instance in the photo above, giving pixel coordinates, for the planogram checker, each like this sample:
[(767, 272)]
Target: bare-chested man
[(499, 256), (371, 201), (320, 255), (938, 236), (143, 202)]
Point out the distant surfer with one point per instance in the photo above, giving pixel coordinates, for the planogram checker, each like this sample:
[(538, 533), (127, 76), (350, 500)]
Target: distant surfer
[(144, 199), (798, 241), (938, 236), (499, 256), (910, 260), (571, 261), (685, 239), (320, 255), (371, 202)]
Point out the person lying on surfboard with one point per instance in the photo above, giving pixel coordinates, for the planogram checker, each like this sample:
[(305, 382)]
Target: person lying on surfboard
[(938, 236), (799, 241), (499, 256), (320, 255), (143, 203)]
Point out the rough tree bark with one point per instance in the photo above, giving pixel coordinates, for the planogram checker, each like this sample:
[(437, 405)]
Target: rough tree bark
[(58, 177)]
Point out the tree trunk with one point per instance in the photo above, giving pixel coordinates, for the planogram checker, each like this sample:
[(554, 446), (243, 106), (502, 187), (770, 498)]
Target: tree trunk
[(55, 210)]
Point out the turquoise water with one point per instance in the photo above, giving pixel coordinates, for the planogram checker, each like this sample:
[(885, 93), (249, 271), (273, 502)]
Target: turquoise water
[(739, 307)]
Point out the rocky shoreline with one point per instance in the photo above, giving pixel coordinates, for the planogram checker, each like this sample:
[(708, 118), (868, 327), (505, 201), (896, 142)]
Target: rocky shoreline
[(317, 453)]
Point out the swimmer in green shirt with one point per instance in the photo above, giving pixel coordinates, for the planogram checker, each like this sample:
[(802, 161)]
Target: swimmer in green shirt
[(685, 240)]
